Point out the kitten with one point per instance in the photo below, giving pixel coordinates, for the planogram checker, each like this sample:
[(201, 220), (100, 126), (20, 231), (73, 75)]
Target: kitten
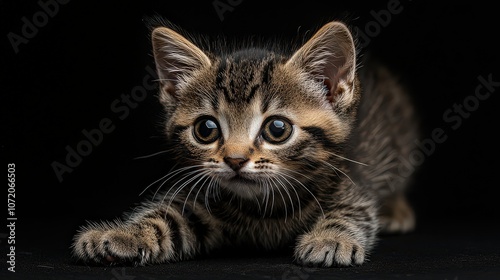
[(272, 150)]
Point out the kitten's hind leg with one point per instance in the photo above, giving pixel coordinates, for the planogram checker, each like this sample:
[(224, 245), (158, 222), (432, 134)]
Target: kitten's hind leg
[(396, 215)]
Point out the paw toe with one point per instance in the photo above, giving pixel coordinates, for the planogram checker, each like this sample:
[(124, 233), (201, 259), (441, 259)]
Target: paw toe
[(329, 252)]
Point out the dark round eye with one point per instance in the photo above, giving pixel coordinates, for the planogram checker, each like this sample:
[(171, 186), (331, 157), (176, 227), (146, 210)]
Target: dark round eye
[(206, 130), (276, 130)]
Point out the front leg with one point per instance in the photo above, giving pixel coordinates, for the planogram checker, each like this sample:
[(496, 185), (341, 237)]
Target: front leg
[(151, 236), (343, 237)]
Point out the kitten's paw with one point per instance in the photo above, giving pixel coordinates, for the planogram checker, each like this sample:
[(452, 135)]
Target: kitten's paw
[(396, 216), (326, 251), (110, 247), (121, 245)]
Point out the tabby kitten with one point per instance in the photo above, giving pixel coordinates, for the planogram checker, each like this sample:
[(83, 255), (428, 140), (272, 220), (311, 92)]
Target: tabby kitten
[(272, 150)]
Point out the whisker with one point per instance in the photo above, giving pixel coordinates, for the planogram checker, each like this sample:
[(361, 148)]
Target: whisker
[(168, 173), (169, 176), (282, 197), (288, 194), (181, 187), (337, 169), (305, 188), (152, 155), (266, 195), (272, 202), (202, 175), (218, 194), (298, 173), (212, 184), (172, 196), (202, 185), (257, 200), (348, 159), (296, 194)]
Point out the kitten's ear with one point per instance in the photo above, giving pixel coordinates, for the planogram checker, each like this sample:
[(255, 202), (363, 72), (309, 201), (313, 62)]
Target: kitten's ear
[(330, 57), (176, 58)]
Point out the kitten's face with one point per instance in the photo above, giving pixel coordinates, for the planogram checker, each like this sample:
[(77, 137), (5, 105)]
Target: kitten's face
[(253, 120)]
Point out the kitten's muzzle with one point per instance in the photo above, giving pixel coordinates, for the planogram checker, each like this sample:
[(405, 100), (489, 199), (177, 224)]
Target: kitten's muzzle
[(235, 163)]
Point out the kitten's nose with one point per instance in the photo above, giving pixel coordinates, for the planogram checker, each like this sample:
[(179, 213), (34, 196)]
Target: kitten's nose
[(235, 163)]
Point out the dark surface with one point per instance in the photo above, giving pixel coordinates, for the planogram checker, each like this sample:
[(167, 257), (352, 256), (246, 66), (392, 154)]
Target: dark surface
[(72, 70), (445, 251)]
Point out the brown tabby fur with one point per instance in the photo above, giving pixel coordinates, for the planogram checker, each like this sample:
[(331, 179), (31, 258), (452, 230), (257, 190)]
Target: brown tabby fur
[(327, 189)]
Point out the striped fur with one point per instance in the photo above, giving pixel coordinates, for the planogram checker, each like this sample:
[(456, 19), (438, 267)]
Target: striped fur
[(322, 187)]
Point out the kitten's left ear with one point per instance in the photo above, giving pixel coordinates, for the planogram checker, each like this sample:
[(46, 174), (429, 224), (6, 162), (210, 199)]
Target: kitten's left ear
[(330, 57), (176, 59)]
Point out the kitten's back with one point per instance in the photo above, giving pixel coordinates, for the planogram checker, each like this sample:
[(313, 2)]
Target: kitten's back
[(386, 131)]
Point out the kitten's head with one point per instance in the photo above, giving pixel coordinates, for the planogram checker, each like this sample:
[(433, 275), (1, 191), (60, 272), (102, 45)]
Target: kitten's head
[(255, 117)]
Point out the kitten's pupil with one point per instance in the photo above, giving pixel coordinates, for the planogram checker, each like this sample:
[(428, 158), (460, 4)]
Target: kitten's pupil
[(206, 131), (277, 128)]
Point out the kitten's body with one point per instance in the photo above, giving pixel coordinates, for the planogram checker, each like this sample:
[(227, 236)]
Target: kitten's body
[(271, 152)]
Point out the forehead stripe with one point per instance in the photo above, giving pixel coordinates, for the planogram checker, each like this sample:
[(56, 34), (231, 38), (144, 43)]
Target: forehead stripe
[(266, 71), (251, 94)]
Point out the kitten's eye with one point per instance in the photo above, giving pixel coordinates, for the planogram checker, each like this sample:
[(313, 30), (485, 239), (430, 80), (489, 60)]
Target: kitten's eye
[(206, 130), (276, 130)]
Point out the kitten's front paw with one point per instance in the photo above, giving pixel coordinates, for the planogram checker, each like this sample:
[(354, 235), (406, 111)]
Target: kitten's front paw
[(326, 251), (119, 245)]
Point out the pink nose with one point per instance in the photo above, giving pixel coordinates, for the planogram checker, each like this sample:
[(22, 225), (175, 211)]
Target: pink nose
[(235, 163)]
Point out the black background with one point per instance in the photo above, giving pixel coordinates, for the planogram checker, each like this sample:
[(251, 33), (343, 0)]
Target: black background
[(83, 59)]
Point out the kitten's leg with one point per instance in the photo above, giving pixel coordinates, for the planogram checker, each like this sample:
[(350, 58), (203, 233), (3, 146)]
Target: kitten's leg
[(396, 215), (156, 236), (343, 237)]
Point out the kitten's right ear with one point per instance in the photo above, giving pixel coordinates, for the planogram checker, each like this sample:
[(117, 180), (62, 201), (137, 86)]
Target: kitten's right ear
[(176, 58)]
